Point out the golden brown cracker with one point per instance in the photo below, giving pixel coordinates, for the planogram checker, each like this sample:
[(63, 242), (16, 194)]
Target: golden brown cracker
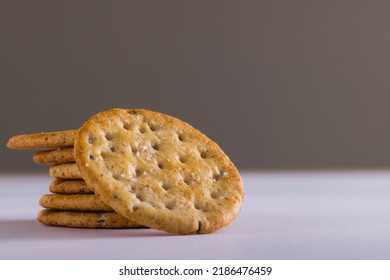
[(61, 186), (85, 219), (82, 202), (65, 171), (159, 171), (43, 140), (54, 156)]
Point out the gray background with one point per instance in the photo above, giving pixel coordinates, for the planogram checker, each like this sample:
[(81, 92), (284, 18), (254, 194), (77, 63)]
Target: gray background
[(278, 84)]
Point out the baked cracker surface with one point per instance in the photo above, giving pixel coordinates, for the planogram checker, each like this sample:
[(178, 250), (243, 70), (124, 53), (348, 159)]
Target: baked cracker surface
[(43, 140), (65, 171), (85, 219), (159, 171), (54, 156), (69, 187), (85, 202)]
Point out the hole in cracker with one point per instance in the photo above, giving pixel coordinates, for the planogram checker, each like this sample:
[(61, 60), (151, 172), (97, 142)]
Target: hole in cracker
[(215, 194), (91, 157), (160, 165), (113, 149), (153, 127), (204, 154), (140, 196), (183, 159), (108, 136), (201, 206), (170, 205), (189, 181), (180, 136), (166, 186), (127, 126), (90, 140), (156, 146), (142, 129), (140, 172), (198, 206)]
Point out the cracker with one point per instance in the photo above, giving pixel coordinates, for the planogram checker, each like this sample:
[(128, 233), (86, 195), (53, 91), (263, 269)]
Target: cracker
[(158, 171), (82, 202), (44, 140), (65, 171), (85, 219), (54, 156), (69, 187)]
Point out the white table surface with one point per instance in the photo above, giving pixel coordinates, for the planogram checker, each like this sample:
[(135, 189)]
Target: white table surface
[(285, 215)]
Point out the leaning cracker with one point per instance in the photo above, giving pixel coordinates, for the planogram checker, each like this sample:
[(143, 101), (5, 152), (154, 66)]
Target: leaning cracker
[(44, 140), (85, 219), (83, 202), (70, 187), (158, 171), (65, 171), (55, 156)]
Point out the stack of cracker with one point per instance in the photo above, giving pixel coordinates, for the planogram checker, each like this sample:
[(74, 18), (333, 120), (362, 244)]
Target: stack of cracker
[(130, 167), (71, 202)]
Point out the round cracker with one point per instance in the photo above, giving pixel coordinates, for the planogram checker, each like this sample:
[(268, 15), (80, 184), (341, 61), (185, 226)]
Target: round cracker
[(55, 156), (43, 140), (82, 202), (85, 220), (69, 187), (159, 171)]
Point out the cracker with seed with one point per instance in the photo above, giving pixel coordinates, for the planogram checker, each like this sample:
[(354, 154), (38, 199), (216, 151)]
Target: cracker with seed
[(85, 219), (44, 140), (54, 156), (158, 171), (82, 202), (69, 187), (65, 171)]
